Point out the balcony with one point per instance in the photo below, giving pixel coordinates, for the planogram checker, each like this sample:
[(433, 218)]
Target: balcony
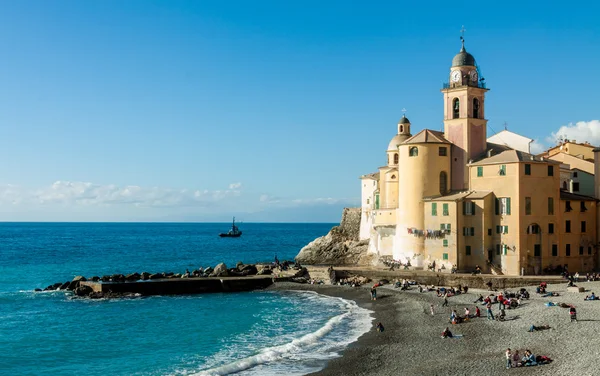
[(479, 84)]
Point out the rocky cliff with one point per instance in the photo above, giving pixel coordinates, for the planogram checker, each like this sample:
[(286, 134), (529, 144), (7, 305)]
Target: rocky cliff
[(341, 246)]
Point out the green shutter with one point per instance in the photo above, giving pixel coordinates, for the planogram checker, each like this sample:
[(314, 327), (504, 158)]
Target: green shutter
[(445, 209), (445, 256), (473, 206), (442, 226), (498, 229), (448, 226), (497, 206), (504, 249), (445, 242), (434, 209), (468, 250), (508, 205), (479, 171), (377, 201), (505, 230)]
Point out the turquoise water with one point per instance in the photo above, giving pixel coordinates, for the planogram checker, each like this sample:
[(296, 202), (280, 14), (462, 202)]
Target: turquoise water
[(257, 333)]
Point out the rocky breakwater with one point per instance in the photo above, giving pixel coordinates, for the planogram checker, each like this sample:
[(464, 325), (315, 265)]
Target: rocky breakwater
[(84, 290), (341, 246)]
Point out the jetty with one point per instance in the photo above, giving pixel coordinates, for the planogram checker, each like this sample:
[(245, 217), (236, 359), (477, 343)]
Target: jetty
[(180, 286)]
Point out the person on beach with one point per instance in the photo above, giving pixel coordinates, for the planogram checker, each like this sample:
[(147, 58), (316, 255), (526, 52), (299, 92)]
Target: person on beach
[(477, 312), (489, 285), (533, 328), (373, 293), (529, 359), (380, 327), (447, 333), (467, 313), (490, 314), (431, 309), (445, 304), (480, 299), (516, 358), (508, 358), (573, 314)]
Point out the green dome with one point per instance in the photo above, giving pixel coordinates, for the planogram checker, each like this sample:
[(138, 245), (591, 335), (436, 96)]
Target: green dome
[(463, 58), (404, 120)]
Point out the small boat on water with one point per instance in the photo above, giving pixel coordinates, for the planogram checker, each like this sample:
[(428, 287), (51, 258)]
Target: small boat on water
[(233, 233)]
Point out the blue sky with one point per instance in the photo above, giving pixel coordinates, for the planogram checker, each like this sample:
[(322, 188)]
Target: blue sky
[(269, 110)]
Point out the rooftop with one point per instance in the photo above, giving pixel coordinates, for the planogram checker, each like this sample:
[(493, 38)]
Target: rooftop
[(504, 154), (566, 195), (457, 196), (372, 176), (427, 136)]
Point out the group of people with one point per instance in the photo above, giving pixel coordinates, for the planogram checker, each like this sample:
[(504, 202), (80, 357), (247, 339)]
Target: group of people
[(528, 359), (591, 297)]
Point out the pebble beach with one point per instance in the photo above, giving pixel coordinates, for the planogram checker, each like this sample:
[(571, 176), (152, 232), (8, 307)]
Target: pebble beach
[(411, 343)]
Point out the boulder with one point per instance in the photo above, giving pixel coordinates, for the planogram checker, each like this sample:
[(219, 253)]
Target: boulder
[(239, 265), (95, 279), (49, 288), (249, 269), (220, 271), (265, 271), (133, 277), (300, 273), (117, 278), (145, 276), (37, 290), (105, 278), (575, 289), (65, 285), (75, 282), (156, 276), (341, 246), (83, 291)]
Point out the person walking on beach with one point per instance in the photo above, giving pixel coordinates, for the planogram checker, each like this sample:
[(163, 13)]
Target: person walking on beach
[(445, 304), (508, 358), (373, 293), (573, 314), (431, 309), (490, 314), (380, 327)]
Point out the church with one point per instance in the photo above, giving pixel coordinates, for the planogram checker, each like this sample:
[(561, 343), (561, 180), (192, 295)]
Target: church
[(459, 198)]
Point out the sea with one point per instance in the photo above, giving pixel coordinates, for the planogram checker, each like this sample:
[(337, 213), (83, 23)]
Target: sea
[(250, 333)]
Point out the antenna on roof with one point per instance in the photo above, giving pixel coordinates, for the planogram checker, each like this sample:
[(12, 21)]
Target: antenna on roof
[(505, 125), (462, 35)]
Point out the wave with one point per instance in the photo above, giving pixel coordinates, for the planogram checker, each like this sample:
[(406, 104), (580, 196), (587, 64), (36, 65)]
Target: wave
[(324, 343)]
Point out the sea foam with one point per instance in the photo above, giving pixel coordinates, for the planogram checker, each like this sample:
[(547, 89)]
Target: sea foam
[(307, 353)]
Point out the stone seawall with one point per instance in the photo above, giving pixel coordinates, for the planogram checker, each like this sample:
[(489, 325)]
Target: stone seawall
[(341, 246)]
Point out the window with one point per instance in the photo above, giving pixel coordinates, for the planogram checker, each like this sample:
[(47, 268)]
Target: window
[(568, 250), (504, 249), (443, 183), (489, 232), (497, 249), (550, 228), (554, 250), (550, 206), (501, 229), (377, 201), (395, 158), (469, 207), (455, 108), (528, 169), (502, 170), (434, 209), (527, 205), (445, 256), (537, 250), (575, 187), (533, 229), (583, 227), (568, 207), (445, 209), (469, 231), (475, 108), (443, 151), (479, 171), (413, 151), (401, 128), (582, 207), (393, 177), (568, 226), (503, 205), (445, 227), (574, 174), (550, 170), (472, 231), (580, 250), (468, 250), (445, 242), (589, 250), (564, 186), (368, 201)]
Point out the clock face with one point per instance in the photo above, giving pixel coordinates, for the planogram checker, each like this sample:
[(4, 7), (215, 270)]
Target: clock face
[(473, 75), (455, 76)]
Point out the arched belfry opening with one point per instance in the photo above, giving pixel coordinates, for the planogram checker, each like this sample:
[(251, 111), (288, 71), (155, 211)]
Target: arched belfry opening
[(475, 108), (395, 158), (455, 108)]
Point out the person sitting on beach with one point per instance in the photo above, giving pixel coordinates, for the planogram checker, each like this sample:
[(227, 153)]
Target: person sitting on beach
[(447, 333), (529, 359), (477, 312), (516, 358), (533, 328), (453, 315), (465, 289), (591, 297), (480, 299), (380, 327)]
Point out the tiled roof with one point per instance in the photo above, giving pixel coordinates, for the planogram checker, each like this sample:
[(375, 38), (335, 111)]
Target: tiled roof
[(565, 195), (504, 154), (373, 176), (457, 196), (427, 136)]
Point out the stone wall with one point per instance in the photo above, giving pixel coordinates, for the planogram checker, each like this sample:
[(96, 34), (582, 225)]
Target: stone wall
[(350, 223)]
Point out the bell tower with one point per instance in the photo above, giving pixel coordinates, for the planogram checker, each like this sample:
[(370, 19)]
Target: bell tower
[(464, 115)]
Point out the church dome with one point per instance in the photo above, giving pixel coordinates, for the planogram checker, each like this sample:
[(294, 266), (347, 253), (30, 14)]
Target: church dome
[(463, 58), (404, 120), (397, 140)]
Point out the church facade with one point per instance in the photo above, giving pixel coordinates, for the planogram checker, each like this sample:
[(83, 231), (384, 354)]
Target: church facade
[(459, 198)]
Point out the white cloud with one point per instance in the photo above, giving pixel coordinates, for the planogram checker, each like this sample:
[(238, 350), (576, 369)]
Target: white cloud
[(89, 194), (297, 202), (537, 147), (581, 131), (237, 185)]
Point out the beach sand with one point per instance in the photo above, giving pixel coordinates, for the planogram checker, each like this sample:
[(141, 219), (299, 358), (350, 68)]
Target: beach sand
[(411, 343)]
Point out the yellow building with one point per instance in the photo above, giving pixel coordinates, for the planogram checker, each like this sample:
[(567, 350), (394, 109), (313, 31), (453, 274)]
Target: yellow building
[(454, 198)]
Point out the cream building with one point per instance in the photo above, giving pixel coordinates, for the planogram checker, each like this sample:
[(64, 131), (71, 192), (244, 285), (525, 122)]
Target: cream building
[(457, 198)]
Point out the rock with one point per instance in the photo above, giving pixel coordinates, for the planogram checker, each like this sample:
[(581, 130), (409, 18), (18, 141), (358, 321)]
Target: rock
[(300, 273), (299, 280), (105, 278), (249, 269), (208, 271), (156, 276), (384, 281), (37, 290), (83, 291), (95, 279), (239, 265), (117, 278), (65, 285), (575, 289), (264, 271), (220, 271), (75, 282), (49, 288), (133, 277), (145, 276), (341, 246), (79, 278), (235, 273)]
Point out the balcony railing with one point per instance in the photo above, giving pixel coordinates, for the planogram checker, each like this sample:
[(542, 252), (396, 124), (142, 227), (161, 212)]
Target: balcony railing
[(479, 84)]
